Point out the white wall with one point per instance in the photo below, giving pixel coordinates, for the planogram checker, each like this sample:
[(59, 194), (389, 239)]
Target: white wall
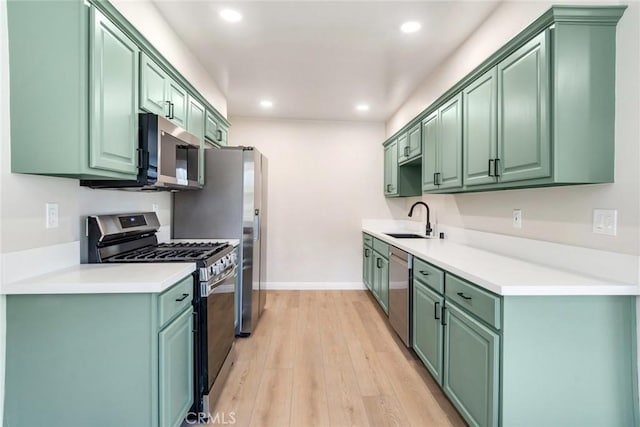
[(561, 214), (23, 197), (324, 177)]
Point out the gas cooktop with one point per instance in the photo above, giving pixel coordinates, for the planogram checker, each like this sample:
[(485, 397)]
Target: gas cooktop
[(178, 252)]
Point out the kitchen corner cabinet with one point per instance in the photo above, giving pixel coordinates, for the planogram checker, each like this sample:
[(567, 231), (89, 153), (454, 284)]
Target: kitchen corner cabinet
[(84, 103), (399, 180), (520, 360), (442, 147), (100, 359)]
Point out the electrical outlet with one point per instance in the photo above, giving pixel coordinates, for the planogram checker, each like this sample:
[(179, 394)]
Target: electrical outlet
[(605, 221), (155, 208), (517, 218), (51, 215)]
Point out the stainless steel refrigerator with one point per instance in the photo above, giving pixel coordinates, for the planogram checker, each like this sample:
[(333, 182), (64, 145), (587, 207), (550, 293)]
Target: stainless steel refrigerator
[(232, 205)]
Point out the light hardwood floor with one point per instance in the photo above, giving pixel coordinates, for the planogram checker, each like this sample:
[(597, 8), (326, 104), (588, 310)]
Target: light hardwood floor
[(329, 358)]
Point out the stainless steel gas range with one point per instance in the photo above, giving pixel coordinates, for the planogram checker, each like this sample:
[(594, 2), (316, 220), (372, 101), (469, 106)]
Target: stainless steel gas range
[(122, 238)]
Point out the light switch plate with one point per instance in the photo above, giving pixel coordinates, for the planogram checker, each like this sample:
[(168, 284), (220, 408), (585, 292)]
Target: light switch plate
[(517, 218), (51, 215), (605, 221)]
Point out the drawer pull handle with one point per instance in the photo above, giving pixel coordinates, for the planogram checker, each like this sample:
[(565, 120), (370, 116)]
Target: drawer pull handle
[(184, 296), (435, 311), (463, 296), (424, 273)]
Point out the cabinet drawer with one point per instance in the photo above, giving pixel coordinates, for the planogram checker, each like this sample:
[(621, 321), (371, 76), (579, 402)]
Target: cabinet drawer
[(429, 275), (368, 240), (175, 300), (381, 247), (484, 305)]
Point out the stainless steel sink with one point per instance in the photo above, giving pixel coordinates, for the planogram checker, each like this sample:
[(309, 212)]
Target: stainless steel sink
[(405, 236)]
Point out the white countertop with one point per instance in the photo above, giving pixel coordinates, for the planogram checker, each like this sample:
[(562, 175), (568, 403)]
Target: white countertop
[(501, 274), (104, 279)]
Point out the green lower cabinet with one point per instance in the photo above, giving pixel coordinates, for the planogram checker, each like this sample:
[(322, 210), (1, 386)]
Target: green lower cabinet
[(471, 367), (175, 366), (367, 266), (427, 328), (99, 360)]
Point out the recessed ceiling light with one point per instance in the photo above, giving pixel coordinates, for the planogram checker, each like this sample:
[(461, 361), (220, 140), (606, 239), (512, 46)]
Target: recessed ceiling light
[(362, 107), (410, 27), (230, 15), (265, 103)]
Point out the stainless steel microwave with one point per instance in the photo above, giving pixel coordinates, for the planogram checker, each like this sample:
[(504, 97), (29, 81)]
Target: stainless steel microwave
[(168, 158)]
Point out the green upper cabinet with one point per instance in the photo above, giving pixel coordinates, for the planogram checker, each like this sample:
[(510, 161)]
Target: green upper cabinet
[(113, 97), (538, 112), (95, 71), (195, 118), (178, 103), (210, 127), (411, 149), (479, 130), (442, 147), (160, 94), (523, 108), (391, 169), (77, 73), (196, 126), (154, 85), (429, 152)]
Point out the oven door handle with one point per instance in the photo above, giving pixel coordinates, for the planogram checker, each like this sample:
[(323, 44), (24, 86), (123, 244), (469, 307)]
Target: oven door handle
[(231, 273)]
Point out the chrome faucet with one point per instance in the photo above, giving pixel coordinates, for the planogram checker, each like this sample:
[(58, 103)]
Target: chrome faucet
[(429, 230)]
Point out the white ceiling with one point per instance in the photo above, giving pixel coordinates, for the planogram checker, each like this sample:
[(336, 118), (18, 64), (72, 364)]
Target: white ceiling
[(318, 59)]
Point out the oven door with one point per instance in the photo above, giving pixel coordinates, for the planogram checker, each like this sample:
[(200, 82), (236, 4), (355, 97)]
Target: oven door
[(220, 322)]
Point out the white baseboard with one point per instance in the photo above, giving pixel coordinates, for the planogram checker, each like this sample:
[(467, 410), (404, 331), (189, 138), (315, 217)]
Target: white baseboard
[(314, 286)]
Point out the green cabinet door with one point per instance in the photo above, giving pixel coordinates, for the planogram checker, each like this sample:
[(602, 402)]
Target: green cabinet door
[(113, 97), (449, 152), (429, 152), (524, 144), (427, 328), (367, 266), (177, 98), (471, 367), (414, 141), (175, 344), (403, 148), (480, 129), (210, 127), (391, 169), (153, 87), (383, 292), (196, 126)]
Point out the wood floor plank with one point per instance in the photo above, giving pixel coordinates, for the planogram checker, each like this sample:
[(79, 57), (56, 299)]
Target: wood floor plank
[(329, 358), (385, 410), (273, 401)]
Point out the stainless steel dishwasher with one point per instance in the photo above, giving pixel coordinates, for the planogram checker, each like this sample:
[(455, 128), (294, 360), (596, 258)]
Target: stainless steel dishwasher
[(400, 269)]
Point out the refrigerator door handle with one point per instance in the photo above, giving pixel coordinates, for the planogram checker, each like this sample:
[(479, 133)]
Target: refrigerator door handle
[(256, 225)]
